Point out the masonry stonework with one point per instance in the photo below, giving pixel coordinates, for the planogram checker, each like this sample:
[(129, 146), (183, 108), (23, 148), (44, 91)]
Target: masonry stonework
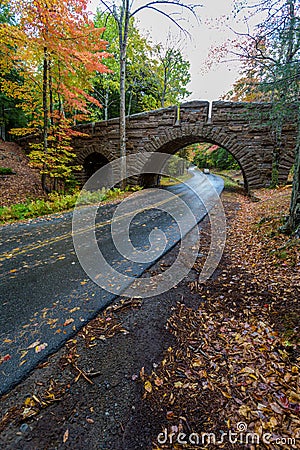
[(241, 128)]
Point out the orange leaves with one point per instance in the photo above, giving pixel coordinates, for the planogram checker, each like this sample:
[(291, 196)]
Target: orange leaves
[(68, 322), (230, 362), (63, 31), (66, 436)]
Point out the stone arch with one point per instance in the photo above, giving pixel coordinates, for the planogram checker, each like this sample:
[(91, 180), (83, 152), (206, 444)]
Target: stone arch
[(92, 158), (179, 137), (93, 162), (83, 153)]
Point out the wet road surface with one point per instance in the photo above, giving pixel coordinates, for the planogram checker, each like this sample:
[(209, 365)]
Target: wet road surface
[(46, 296)]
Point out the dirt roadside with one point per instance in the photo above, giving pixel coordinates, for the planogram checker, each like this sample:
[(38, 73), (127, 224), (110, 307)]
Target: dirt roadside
[(25, 181)]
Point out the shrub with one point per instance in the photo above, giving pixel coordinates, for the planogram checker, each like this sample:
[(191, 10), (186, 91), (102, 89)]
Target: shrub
[(6, 171), (56, 202)]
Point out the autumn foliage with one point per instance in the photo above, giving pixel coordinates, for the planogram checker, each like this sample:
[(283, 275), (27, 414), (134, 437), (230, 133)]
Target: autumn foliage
[(56, 50)]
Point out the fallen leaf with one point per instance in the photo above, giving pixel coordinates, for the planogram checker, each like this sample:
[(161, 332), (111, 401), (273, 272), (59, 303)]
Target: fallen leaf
[(41, 347), (148, 386), (33, 345), (68, 321), (66, 436)]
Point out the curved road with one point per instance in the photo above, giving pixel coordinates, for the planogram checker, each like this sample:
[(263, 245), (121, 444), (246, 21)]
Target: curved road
[(45, 294)]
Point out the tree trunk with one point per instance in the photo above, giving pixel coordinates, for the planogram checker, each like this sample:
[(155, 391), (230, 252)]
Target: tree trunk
[(123, 37), (129, 103), (55, 184), (293, 223), (123, 117), (51, 110), (60, 102), (45, 116), (2, 127), (163, 95), (106, 104), (130, 97)]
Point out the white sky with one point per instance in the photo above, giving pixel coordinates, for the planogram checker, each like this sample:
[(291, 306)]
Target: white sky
[(215, 18)]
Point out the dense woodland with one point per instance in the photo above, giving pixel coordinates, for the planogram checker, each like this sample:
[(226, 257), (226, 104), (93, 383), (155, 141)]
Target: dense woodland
[(61, 66)]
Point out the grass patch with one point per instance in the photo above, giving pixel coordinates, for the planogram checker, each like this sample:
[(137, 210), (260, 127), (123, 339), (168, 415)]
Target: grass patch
[(230, 184), (6, 171), (233, 180), (172, 181), (55, 203)]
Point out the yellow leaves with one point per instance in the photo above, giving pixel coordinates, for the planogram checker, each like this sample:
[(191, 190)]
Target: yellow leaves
[(38, 347), (41, 347), (34, 344), (28, 412), (52, 322), (247, 370), (142, 373), (68, 322), (231, 365), (148, 386), (244, 410), (77, 308), (226, 394), (197, 363), (272, 423), (294, 396), (29, 402)]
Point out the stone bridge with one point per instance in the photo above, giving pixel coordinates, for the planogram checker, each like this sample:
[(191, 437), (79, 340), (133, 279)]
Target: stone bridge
[(241, 128)]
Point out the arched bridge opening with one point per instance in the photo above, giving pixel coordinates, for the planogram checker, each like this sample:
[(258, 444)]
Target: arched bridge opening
[(93, 162), (175, 146)]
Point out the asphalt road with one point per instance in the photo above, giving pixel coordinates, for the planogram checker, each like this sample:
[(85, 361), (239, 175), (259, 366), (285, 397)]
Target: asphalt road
[(46, 296)]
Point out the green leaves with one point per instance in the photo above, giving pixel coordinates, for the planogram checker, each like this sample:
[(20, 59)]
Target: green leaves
[(154, 76), (171, 75), (55, 50)]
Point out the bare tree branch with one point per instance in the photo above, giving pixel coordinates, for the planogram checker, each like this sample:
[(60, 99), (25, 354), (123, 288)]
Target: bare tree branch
[(169, 17), (190, 8)]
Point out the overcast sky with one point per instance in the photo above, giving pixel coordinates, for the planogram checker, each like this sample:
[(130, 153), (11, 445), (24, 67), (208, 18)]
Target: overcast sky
[(215, 19)]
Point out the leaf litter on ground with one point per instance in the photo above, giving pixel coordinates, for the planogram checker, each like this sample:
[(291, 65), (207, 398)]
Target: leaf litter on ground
[(106, 325), (236, 358)]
